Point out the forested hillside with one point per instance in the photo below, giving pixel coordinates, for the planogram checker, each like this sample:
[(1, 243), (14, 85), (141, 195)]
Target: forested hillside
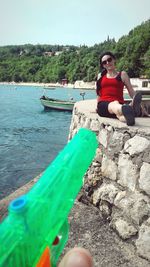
[(52, 63)]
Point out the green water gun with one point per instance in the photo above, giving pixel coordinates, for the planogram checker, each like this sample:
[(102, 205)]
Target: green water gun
[(36, 229)]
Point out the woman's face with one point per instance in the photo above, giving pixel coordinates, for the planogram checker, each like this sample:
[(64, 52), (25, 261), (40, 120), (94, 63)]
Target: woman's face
[(108, 62)]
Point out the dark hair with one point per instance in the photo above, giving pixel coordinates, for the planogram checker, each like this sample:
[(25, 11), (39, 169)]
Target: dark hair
[(107, 53), (103, 70)]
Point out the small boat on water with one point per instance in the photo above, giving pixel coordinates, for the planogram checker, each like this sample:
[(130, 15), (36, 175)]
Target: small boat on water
[(57, 104), (49, 87)]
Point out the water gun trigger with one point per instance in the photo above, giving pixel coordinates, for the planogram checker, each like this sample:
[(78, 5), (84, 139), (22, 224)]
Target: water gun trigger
[(45, 260)]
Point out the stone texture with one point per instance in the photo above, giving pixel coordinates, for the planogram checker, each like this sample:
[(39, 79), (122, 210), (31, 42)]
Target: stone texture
[(109, 168), (144, 181), (127, 172), (119, 185), (106, 192), (135, 206), (143, 241), (87, 123), (136, 145), (88, 229), (125, 229), (99, 155), (103, 137), (116, 142), (94, 126)]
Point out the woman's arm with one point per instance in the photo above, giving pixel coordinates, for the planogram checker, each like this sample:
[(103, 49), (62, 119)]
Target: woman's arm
[(126, 80)]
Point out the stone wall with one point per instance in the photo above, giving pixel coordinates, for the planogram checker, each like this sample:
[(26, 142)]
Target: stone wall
[(118, 181)]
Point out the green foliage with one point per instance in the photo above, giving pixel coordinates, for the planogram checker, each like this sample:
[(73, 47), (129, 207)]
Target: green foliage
[(32, 63), (132, 51)]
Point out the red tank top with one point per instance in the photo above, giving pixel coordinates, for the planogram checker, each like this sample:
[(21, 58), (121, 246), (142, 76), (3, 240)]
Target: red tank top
[(111, 89)]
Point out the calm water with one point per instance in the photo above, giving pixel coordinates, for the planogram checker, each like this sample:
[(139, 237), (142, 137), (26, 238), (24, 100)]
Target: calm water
[(30, 138)]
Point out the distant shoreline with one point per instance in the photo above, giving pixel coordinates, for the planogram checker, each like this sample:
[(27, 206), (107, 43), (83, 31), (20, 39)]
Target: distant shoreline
[(76, 85)]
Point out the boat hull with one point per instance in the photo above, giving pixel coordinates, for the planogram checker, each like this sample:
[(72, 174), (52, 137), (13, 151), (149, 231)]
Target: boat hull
[(57, 104)]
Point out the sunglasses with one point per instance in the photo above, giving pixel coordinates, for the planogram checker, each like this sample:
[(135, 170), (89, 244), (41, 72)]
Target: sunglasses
[(107, 61)]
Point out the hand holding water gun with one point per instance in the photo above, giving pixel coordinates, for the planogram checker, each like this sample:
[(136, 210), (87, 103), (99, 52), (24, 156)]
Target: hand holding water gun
[(36, 229)]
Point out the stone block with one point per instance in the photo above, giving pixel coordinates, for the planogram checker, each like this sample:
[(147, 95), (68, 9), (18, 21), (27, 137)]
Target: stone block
[(106, 192), (125, 229), (87, 123), (94, 125), (109, 168), (127, 172), (144, 181), (136, 145), (143, 241), (116, 142), (136, 206), (103, 137)]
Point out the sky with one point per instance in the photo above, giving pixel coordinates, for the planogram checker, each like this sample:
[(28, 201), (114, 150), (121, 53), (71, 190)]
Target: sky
[(69, 22)]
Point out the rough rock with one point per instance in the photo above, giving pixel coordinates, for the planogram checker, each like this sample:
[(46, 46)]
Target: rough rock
[(144, 181), (143, 242), (125, 229), (89, 230)]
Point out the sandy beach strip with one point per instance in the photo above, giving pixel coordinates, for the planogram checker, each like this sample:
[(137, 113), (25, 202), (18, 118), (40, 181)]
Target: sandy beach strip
[(76, 85)]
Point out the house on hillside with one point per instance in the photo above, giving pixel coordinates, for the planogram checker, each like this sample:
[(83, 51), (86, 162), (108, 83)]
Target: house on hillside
[(140, 83), (57, 53), (48, 54), (64, 81)]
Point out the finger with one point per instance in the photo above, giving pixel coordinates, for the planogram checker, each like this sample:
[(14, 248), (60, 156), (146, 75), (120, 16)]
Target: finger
[(77, 257)]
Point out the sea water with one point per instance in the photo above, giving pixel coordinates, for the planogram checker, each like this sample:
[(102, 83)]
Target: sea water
[(30, 138)]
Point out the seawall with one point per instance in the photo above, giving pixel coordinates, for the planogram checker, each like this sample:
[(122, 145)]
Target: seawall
[(118, 181)]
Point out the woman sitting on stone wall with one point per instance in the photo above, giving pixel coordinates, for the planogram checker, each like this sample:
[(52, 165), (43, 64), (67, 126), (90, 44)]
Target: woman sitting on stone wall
[(110, 84)]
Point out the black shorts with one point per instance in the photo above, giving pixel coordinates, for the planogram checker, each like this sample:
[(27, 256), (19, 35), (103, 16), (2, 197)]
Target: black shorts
[(102, 109)]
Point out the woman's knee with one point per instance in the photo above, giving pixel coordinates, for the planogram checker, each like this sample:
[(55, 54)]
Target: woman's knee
[(115, 107)]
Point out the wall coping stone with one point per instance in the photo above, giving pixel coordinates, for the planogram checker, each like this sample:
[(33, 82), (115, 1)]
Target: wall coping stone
[(88, 107)]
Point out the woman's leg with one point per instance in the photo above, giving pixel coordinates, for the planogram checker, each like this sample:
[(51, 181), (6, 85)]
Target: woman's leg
[(116, 108), (136, 104), (102, 110), (124, 113)]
